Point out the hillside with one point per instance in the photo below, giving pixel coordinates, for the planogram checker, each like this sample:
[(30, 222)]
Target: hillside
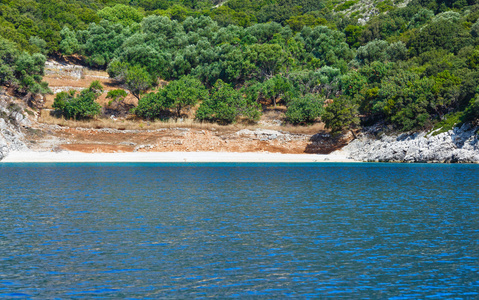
[(341, 65)]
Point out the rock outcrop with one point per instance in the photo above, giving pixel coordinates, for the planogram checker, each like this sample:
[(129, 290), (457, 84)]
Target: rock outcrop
[(11, 119), (457, 145), (63, 69)]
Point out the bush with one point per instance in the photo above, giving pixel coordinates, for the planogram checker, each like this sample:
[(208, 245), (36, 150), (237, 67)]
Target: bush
[(304, 109), (182, 93), (226, 104), (151, 106), (177, 95), (471, 114), (116, 96), (340, 115), (79, 107)]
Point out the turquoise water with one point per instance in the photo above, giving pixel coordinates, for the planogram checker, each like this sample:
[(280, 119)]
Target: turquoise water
[(187, 231)]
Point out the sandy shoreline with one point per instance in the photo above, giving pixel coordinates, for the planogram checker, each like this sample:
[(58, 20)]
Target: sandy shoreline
[(72, 156)]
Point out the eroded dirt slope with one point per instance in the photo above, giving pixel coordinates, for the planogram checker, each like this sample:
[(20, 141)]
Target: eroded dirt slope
[(267, 136)]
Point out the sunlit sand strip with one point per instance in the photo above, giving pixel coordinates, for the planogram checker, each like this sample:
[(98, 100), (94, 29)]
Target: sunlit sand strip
[(71, 156)]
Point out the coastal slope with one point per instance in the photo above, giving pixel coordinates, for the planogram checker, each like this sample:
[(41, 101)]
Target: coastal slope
[(459, 145)]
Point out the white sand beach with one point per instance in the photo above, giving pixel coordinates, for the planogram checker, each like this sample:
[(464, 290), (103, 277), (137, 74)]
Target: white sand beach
[(72, 156)]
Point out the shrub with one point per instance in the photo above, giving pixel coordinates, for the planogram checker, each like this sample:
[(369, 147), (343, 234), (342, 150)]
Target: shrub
[(340, 115), (304, 109), (81, 106), (226, 104), (151, 106), (183, 93), (116, 96)]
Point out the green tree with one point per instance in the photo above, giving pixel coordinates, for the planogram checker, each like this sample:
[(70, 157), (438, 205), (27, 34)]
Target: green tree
[(267, 58), (69, 43), (8, 57), (340, 115), (353, 34), (81, 106), (22, 71), (298, 22), (304, 109), (326, 44), (275, 88), (151, 106), (182, 93), (137, 81), (226, 104), (120, 13), (372, 51), (472, 111)]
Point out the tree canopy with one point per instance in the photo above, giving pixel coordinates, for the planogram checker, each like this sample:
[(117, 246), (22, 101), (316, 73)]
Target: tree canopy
[(408, 67)]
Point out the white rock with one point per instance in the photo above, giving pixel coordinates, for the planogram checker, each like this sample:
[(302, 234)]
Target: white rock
[(457, 145)]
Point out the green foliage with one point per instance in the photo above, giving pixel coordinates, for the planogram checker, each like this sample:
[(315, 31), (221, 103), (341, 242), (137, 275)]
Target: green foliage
[(345, 5), (372, 51), (38, 44), (69, 43), (120, 13), (177, 95), (353, 33), (473, 60), (326, 44), (340, 115), (136, 78), (8, 58), (183, 93), (101, 42), (137, 81), (420, 18), (412, 66), (226, 104), (22, 71), (151, 106), (275, 87), (304, 109), (81, 106), (471, 114), (443, 33), (298, 22), (96, 87), (385, 6), (449, 122), (117, 96), (266, 57), (118, 70)]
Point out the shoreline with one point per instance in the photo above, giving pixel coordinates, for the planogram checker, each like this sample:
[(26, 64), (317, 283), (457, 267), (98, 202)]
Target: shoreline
[(253, 157)]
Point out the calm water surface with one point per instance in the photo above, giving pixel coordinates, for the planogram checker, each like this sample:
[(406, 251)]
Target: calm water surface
[(186, 231)]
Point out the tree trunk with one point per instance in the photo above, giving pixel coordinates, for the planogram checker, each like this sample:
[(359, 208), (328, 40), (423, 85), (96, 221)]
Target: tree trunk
[(178, 112)]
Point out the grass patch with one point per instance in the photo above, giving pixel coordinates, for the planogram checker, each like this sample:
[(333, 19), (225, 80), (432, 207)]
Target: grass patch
[(384, 6), (29, 112), (346, 5), (137, 124), (449, 122)]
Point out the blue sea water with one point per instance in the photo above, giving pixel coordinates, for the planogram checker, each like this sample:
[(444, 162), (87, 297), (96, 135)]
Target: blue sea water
[(369, 231)]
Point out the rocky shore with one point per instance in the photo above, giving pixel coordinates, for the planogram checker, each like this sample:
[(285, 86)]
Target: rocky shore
[(11, 119), (459, 145)]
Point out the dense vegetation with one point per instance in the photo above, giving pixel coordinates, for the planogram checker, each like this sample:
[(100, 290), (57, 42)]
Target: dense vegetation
[(410, 68)]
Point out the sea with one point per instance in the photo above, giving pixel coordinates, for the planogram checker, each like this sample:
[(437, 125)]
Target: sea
[(239, 230)]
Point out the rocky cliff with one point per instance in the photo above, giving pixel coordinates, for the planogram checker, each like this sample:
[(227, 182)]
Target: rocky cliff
[(11, 120), (457, 145)]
